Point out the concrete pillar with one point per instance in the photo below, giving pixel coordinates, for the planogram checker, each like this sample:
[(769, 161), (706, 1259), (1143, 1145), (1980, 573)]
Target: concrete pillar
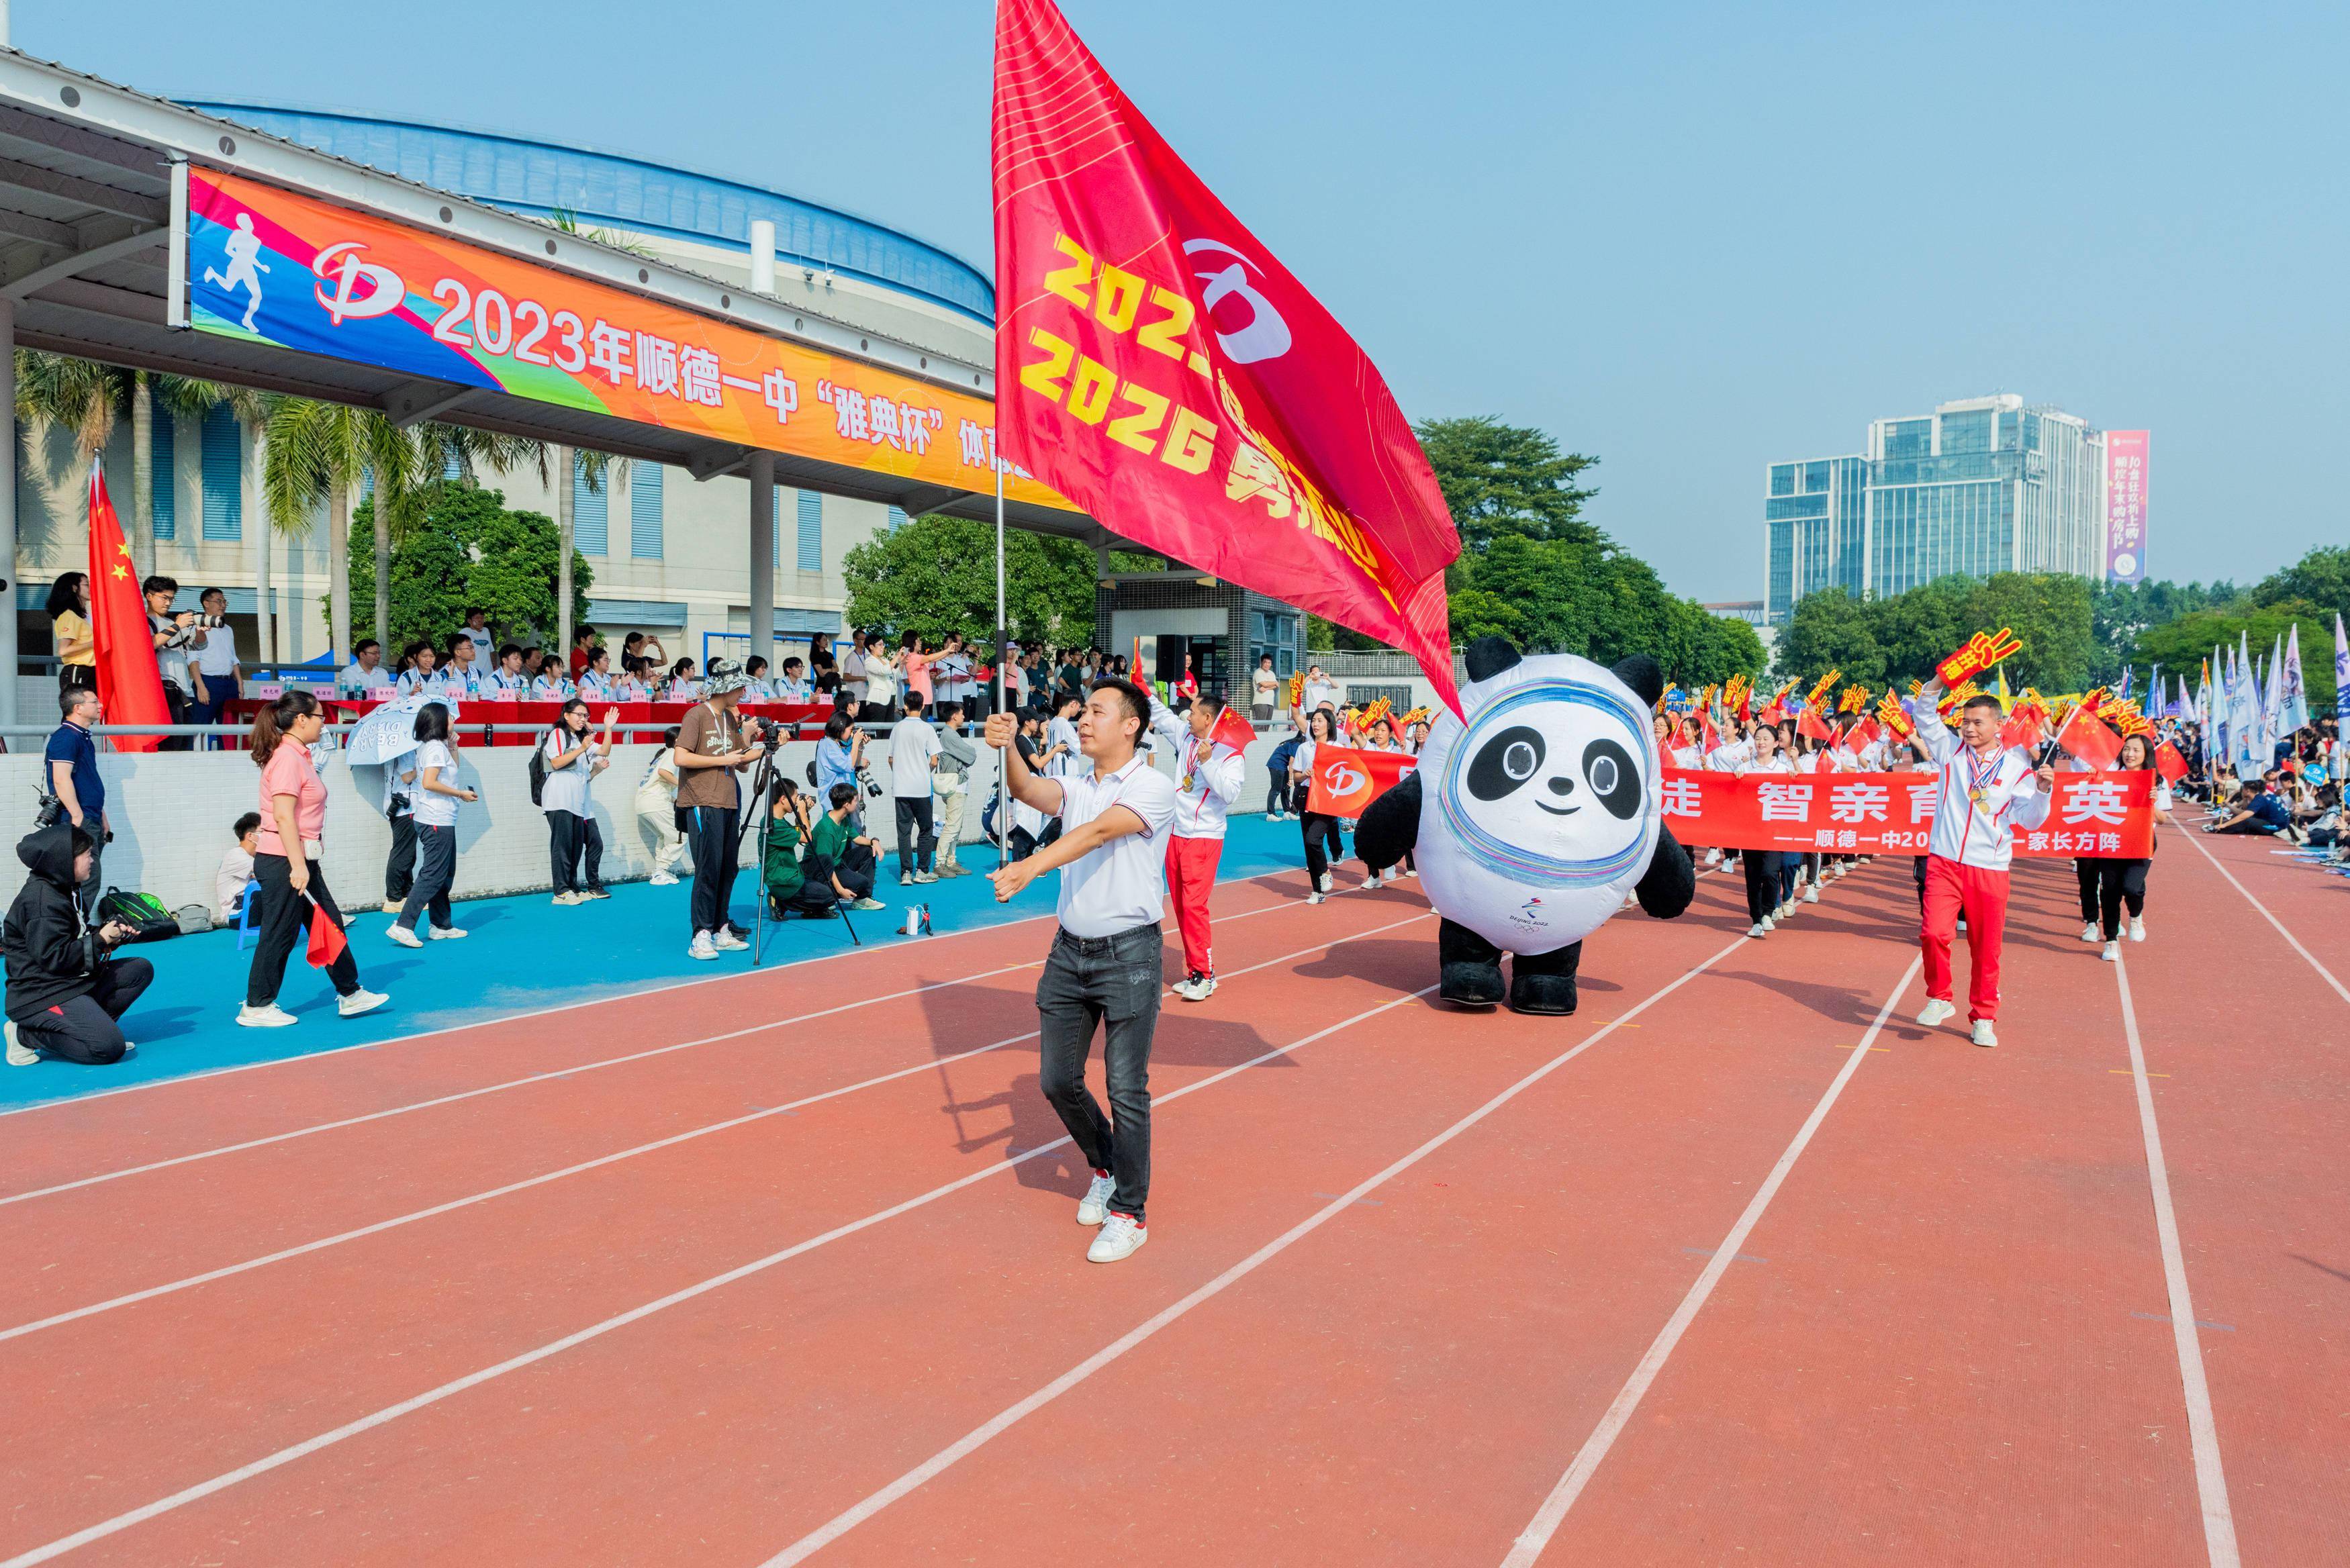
[(8, 502), (762, 470), (762, 255), (566, 466), (256, 525)]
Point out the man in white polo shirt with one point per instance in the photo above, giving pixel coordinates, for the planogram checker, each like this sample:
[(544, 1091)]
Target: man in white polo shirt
[(1105, 962)]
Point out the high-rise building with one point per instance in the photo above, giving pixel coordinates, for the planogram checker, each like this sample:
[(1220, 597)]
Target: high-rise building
[(1978, 486)]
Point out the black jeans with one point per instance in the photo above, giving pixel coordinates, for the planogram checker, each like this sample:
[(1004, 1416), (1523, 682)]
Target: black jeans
[(1113, 981), (1763, 868), (282, 916), (1276, 796), (917, 840), (399, 867), (710, 831), (1324, 842), (569, 837), (2120, 882), (431, 889), (2084, 874), (84, 1029), (854, 870)]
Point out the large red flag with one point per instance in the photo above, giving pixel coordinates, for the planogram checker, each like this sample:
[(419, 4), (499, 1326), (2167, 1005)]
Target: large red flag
[(128, 684), (1156, 365), (1345, 780)]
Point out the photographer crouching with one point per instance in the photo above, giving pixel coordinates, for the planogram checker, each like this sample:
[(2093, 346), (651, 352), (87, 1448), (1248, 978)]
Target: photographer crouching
[(66, 987)]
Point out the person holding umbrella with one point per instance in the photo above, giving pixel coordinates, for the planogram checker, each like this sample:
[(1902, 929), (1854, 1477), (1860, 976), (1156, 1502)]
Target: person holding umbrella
[(293, 888)]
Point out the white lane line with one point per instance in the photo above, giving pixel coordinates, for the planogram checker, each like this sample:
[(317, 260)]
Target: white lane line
[(1547, 1518), (546, 1076), (2217, 865), (390, 1413), (624, 995), (921, 1474), (394, 1223), (2202, 1427)]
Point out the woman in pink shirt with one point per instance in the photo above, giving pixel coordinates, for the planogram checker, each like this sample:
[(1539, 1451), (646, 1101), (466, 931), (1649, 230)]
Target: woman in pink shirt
[(285, 864), (914, 666)]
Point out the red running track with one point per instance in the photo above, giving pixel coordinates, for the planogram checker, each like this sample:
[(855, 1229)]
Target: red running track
[(1422, 1286)]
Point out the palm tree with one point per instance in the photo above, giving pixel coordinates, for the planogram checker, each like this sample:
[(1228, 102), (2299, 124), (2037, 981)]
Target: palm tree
[(82, 397)]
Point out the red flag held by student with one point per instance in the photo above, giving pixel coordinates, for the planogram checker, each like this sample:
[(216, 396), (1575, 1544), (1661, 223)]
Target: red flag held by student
[(1345, 780), (1231, 730), (1809, 722), (2169, 763), (2085, 736), (326, 939), (1159, 367), (128, 684)]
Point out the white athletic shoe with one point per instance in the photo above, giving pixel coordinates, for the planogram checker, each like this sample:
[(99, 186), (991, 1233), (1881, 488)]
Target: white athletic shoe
[(1326, 882), (905, 878), (703, 946), (129, 1049), (1315, 897), (360, 1001), (567, 899), (19, 1053), (1812, 894), (448, 933), (1093, 1208), (2137, 929), (1758, 930), (2112, 953), (1768, 924), (1120, 1237), (724, 939), (1371, 883), (662, 880), (1713, 856), (402, 936), (1198, 988), (1984, 1035), (1935, 1011), (269, 1017), (2093, 932), (926, 878)]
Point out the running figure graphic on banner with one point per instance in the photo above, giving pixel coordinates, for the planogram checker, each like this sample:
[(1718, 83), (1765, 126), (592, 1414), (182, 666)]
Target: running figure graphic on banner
[(245, 266)]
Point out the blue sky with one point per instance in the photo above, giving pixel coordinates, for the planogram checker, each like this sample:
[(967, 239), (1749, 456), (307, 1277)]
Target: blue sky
[(1688, 240)]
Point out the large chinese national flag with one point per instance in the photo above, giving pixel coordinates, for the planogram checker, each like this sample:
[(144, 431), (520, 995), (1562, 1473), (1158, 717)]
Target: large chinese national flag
[(128, 684), (1156, 365)]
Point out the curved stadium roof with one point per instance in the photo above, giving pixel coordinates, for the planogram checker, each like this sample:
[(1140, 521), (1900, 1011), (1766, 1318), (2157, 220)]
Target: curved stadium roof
[(601, 189)]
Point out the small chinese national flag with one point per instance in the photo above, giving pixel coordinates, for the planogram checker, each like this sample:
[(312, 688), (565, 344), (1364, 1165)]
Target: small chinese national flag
[(1231, 730), (2086, 736), (2169, 763), (127, 683)]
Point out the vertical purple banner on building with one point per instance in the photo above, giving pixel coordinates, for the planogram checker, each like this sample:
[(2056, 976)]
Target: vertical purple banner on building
[(2126, 455)]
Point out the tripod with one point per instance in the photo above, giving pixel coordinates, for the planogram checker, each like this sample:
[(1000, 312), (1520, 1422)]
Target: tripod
[(763, 780)]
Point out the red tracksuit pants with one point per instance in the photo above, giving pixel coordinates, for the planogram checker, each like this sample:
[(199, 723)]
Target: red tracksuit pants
[(1190, 877), (1954, 889)]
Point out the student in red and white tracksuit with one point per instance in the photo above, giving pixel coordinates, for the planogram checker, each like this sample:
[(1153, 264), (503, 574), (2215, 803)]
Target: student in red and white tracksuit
[(1207, 777), (1986, 792)]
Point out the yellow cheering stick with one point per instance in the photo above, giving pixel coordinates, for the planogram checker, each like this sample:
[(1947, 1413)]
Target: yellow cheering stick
[(1379, 709), (1820, 692), (1853, 701), (1953, 700), (1297, 689), (1417, 716), (1894, 717)]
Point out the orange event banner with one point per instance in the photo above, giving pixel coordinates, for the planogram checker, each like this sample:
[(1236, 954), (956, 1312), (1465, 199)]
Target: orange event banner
[(268, 265)]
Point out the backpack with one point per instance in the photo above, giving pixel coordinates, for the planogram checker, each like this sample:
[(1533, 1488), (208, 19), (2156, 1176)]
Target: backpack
[(537, 770), (143, 912)]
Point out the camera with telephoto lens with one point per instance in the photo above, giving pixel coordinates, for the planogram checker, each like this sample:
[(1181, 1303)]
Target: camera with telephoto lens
[(196, 620)]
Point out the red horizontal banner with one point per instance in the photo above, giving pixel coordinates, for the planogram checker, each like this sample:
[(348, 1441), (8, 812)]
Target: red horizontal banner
[(1346, 780), (2093, 815)]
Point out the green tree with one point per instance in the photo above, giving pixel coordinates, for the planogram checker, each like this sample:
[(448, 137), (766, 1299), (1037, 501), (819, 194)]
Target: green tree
[(1898, 639), (2182, 647), (2321, 578), (937, 575), (462, 548), (1501, 479)]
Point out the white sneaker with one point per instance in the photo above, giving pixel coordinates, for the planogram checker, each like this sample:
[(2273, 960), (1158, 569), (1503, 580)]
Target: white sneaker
[(2113, 951), (1326, 882), (1768, 924), (1093, 1208), (129, 1049), (402, 936), (1812, 894), (448, 933), (1936, 1012), (2137, 929), (1758, 930), (269, 1017), (393, 906), (726, 941), (360, 1001), (702, 948), (926, 878), (1315, 898), (19, 1053), (1198, 988), (905, 878), (2093, 932), (1713, 856), (567, 899), (1371, 883), (1984, 1035), (1411, 870), (1120, 1237), (662, 880)]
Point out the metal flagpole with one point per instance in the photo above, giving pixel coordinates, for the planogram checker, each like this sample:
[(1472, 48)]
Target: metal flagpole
[(1002, 652)]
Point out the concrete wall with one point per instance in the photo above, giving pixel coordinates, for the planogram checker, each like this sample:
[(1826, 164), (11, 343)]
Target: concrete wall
[(172, 813)]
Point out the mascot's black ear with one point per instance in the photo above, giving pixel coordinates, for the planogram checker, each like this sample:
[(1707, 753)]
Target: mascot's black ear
[(1488, 655), (1640, 671)]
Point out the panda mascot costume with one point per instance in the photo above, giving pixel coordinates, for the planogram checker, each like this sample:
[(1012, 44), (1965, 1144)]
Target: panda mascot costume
[(1531, 821)]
